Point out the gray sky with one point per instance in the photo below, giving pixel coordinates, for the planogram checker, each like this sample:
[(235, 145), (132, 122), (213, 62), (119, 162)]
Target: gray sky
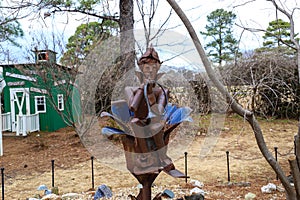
[(254, 14)]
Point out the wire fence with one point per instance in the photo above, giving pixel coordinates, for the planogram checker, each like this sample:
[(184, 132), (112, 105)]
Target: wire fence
[(228, 158)]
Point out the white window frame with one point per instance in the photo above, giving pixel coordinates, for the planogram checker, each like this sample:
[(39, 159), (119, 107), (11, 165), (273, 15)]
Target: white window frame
[(36, 104), (60, 101)]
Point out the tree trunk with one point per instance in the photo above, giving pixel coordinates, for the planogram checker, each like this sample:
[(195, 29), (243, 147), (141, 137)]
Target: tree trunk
[(127, 49), (290, 192), (296, 175), (298, 65), (297, 146)]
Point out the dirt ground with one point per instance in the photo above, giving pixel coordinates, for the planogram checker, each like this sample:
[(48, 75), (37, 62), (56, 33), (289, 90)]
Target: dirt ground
[(27, 163)]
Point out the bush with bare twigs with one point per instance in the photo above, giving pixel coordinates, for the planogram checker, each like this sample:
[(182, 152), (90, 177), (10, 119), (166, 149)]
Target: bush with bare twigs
[(266, 83)]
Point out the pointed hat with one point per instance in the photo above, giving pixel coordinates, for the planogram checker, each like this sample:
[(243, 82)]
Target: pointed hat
[(150, 53)]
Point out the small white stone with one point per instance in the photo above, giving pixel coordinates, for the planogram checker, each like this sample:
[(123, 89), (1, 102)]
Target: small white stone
[(197, 190), (268, 188), (197, 183), (250, 196)]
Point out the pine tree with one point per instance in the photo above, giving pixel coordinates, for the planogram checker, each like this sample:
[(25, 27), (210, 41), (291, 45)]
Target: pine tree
[(84, 40), (222, 46), (277, 34)]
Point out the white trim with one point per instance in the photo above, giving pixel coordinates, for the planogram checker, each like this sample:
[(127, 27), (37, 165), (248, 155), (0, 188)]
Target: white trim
[(14, 99), (36, 104), (19, 76), (19, 104), (60, 82), (43, 91), (60, 99), (17, 83)]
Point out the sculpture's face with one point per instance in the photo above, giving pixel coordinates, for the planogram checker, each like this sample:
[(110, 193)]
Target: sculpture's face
[(150, 70)]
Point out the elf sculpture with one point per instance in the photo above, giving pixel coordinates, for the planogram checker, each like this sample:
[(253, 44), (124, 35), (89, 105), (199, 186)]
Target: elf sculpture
[(147, 119)]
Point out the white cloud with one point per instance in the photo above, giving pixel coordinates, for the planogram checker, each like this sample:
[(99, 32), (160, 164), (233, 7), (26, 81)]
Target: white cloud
[(255, 14)]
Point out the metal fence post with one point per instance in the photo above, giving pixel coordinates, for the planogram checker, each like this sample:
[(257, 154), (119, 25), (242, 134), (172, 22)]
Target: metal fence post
[(2, 181), (228, 168), (185, 164), (276, 149), (52, 164), (92, 160)]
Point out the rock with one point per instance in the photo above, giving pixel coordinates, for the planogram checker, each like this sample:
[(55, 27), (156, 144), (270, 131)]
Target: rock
[(48, 192), (194, 197), (197, 190), (54, 190), (103, 191), (42, 187), (271, 187), (250, 196), (168, 194), (72, 196), (196, 183), (51, 197), (45, 189)]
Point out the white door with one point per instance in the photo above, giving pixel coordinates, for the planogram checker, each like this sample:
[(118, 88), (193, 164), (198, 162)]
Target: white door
[(19, 104)]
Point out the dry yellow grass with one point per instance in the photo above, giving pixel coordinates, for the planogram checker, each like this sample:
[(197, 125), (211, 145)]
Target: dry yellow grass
[(246, 164)]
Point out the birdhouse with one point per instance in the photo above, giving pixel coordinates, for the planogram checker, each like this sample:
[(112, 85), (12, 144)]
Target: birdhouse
[(43, 56)]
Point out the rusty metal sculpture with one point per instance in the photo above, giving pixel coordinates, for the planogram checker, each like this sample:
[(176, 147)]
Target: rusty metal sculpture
[(147, 119)]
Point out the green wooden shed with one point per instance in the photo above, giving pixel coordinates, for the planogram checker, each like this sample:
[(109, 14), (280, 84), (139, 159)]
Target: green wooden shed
[(36, 95)]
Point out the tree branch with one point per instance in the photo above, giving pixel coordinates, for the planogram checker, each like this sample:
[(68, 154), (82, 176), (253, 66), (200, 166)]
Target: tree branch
[(296, 174), (235, 107), (112, 18)]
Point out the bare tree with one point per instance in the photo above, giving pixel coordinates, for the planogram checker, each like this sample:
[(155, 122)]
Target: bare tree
[(290, 16), (291, 192), (280, 6), (266, 83), (148, 14)]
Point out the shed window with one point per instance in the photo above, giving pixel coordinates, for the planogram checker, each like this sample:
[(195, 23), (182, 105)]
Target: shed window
[(40, 104), (60, 101), (43, 56)]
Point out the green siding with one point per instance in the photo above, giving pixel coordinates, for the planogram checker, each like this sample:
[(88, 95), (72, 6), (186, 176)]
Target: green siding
[(49, 121)]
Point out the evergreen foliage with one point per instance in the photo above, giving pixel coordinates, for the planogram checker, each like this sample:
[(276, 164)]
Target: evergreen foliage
[(222, 46), (277, 34), (10, 30), (85, 38)]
